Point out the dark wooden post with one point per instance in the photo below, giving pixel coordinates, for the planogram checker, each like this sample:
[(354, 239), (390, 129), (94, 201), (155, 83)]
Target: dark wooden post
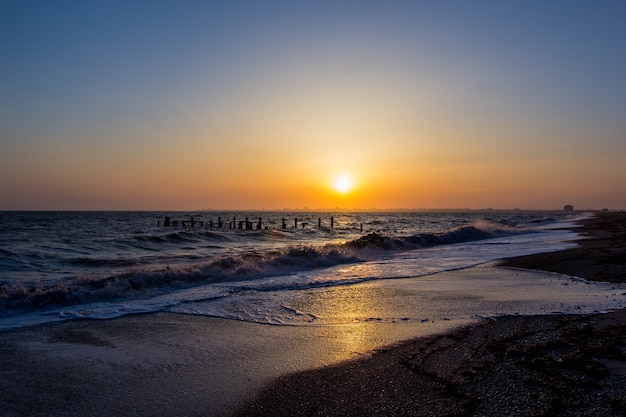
[(296, 223), (167, 221), (219, 222), (258, 226), (361, 227), (234, 222), (319, 222), (284, 224), (332, 222)]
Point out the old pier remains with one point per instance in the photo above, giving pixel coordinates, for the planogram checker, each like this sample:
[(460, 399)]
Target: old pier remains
[(245, 224)]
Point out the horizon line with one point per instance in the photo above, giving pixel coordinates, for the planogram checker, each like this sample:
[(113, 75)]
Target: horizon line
[(320, 210)]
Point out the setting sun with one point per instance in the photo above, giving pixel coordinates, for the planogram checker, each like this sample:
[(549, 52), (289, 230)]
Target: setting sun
[(342, 184)]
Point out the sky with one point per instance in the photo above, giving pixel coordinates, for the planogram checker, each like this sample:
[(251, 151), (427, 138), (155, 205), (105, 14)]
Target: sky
[(188, 105)]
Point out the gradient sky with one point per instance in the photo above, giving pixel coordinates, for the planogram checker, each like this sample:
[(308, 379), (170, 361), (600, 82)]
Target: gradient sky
[(184, 105)]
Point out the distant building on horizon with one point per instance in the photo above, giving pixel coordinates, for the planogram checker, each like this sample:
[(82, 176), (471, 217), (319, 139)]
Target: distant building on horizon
[(568, 207)]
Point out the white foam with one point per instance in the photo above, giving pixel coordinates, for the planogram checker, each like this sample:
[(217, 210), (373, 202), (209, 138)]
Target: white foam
[(483, 291)]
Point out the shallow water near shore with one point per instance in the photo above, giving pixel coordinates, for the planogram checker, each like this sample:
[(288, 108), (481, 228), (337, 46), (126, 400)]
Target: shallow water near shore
[(464, 294)]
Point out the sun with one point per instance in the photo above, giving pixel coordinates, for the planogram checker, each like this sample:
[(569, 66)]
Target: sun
[(343, 184)]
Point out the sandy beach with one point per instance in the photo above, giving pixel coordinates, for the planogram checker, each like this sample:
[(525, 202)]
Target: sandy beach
[(180, 365)]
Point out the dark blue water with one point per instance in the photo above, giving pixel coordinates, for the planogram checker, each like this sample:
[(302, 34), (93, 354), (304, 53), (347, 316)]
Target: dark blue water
[(51, 260)]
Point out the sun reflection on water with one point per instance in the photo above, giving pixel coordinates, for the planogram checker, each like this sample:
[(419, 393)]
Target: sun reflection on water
[(356, 319)]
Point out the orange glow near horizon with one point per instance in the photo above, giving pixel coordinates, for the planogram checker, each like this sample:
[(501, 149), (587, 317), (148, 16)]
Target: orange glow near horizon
[(266, 177)]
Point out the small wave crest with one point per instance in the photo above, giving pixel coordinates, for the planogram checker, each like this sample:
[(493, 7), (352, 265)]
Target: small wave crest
[(100, 262), (478, 230), (181, 236)]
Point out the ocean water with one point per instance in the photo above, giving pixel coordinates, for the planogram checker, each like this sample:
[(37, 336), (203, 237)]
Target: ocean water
[(244, 266)]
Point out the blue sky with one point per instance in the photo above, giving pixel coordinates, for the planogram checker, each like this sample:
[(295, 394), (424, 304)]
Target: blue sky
[(100, 102)]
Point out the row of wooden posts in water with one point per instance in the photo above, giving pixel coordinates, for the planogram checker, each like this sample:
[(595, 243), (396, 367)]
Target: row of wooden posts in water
[(245, 224)]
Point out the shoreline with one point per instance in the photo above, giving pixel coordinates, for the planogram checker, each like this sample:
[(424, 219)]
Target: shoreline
[(172, 364), (599, 256), (514, 365)]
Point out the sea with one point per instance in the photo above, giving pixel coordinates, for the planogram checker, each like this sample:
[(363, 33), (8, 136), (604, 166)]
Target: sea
[(58, 266)]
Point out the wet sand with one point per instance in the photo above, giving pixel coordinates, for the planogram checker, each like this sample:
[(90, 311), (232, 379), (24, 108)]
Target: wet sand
[(516, 366), (168, 364), (177, 365)]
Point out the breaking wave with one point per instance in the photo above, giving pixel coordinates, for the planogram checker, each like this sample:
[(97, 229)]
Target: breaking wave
[(144, 282)]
